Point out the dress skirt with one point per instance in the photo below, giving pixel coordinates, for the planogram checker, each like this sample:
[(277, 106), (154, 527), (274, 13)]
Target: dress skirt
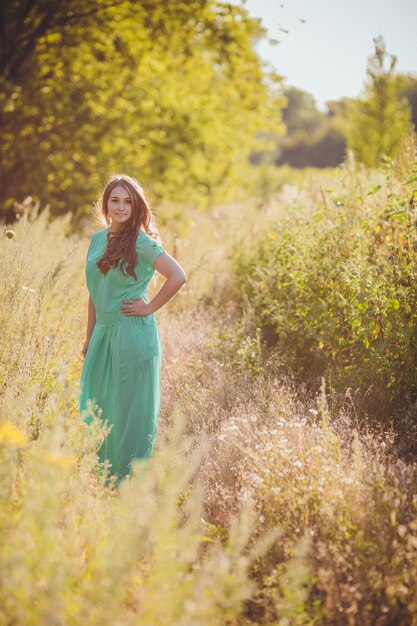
[(121, 373)]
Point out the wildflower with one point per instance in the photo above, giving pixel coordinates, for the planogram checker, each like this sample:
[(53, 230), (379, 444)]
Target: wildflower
[(57, 459), (9, 433)]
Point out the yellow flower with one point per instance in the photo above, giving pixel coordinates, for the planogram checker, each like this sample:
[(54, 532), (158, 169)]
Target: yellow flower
[(60, 460), (9, 433)]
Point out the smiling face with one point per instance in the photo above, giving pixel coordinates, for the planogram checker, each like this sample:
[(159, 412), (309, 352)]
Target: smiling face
[(119, 206)]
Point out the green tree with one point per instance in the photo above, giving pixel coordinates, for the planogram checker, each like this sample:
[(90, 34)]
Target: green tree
[(407, 85), (172, 93), (313, 138), (378, 121)]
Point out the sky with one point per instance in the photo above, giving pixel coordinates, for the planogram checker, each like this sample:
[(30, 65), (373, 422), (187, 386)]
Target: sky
[(327, 54)]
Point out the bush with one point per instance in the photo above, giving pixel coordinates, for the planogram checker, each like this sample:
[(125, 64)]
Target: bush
[(333, 285)]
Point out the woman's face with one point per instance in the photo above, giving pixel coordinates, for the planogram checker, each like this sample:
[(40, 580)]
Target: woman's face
[(119, 205)]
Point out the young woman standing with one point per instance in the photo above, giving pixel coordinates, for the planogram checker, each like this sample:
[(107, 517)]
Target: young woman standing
[(122, 351)]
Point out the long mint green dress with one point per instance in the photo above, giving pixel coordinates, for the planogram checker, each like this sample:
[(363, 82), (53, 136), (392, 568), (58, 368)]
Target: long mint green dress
[(121, 369)]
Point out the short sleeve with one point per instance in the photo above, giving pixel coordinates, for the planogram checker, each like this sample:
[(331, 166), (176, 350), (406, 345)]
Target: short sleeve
[(147, 249)]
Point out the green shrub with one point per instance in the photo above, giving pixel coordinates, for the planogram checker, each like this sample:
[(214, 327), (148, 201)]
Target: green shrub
[(333, 285)]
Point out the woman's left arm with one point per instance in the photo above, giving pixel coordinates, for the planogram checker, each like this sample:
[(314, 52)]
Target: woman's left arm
[(175, 276)]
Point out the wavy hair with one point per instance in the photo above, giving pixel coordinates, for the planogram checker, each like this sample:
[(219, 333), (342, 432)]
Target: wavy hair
[(122, 245)]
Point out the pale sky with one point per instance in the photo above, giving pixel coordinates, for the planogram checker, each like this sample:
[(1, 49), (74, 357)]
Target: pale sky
[(327, 55)]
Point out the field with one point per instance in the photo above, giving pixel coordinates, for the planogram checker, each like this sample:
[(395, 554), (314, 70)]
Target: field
[(278, 494)]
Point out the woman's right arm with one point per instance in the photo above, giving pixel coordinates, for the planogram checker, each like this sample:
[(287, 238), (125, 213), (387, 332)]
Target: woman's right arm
[(90, 324)]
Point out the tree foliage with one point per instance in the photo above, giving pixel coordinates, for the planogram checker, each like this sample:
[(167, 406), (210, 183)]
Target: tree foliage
[(379, 121), (312, 138), (173, 93)]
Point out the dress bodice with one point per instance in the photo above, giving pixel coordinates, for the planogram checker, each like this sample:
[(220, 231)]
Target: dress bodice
[(109, 290)]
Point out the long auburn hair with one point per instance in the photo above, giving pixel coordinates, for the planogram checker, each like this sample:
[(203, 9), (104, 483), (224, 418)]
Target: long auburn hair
[(122, 245)]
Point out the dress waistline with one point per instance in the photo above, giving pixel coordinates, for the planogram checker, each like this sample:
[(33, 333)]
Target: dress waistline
[(113, 318)]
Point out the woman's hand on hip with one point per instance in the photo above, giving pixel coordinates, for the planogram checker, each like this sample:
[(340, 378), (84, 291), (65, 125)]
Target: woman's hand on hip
[(85, 348), (136, 307)]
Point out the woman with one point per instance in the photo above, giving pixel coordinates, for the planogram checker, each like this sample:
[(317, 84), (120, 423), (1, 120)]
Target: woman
[(122, 351)]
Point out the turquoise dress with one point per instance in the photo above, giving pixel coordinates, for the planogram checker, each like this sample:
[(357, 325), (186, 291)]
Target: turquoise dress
[(121, 369)]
